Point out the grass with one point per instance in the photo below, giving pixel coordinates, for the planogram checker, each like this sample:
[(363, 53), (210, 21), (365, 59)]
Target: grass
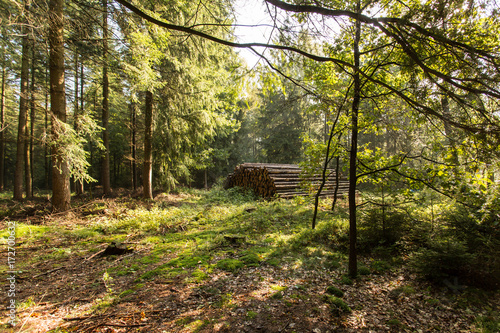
[(186, 241)]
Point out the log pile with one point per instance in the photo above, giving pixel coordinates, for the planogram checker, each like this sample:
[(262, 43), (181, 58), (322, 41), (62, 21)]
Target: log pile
[(282, 180)]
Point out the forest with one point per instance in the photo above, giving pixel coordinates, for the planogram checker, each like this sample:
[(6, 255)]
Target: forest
[(344, 177)]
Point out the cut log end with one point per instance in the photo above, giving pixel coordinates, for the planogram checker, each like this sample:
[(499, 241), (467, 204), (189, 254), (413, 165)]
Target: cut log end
[(282, 180)]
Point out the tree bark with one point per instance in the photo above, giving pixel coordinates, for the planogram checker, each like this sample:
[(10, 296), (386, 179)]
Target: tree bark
[(353, 154), (147, 177), (80, 186), (133, 150), (61, 195), (23, 114), (28, 161), (76, 125), (46, 130), (106, 181), (2, 129)]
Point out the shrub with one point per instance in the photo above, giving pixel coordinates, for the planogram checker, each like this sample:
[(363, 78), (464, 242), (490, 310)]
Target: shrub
[(443, 259), (386, 228)]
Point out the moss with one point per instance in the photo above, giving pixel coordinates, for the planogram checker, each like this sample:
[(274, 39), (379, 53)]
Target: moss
[(230, 265), (251, 259), (198, 276), (277, 295), (332, 290), (338, 306)]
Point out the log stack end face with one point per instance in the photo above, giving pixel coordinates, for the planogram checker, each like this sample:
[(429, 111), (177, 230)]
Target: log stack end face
[(283, 180)]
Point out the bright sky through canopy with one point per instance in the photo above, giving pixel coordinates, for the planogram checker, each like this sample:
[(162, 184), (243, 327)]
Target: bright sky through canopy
[(252, 13)]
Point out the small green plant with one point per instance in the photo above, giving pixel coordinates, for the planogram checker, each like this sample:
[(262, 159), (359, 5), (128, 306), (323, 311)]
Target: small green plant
[(332, 264), (332, 290), (273, 262), (380, 266), (346, 280), (126, 293), (26, 304), (278, 287), (226, 300), (251, 314), (184, 321), (394, 322), (277, 295), (363, 270), (488, 324)]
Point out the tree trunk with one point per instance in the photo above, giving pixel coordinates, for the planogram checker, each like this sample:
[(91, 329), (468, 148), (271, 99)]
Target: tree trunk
[(32, 121), (76, 124), (80, 186), (28, 156), (133, 163), (61, 195), (2, 130), (106, 181), (46, 130), (23, 114), (147, 177), (353, 154)]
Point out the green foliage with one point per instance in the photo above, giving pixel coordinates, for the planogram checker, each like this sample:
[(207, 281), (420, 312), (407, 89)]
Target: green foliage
[(488, 324), (251, 314), (363, 270), (346, 280), (383, 227), (443, 259), (277, 295), (380, 266), (74, 153)]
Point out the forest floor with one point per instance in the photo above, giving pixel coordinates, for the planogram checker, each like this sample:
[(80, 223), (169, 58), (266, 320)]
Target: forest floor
[(216, 261)]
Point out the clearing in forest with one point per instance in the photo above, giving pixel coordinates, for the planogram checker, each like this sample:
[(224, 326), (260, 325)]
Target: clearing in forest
[(217, 261)]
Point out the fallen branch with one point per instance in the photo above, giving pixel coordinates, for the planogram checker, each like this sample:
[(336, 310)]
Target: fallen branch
[(123, 325), (48, 272)]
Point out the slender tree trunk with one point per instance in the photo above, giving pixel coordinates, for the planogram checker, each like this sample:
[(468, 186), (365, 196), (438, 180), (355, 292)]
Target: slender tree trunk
[(2, 130), (106, 181), (337, 182), (353, 154), (75, 107), (76, 125), (28, 161), (23, 114), (61, 195), (147, 177), (46, 130), (80, 186), (32, 122), (133, 163)]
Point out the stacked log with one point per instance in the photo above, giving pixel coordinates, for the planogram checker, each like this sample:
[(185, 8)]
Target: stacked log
[(282, 180)]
